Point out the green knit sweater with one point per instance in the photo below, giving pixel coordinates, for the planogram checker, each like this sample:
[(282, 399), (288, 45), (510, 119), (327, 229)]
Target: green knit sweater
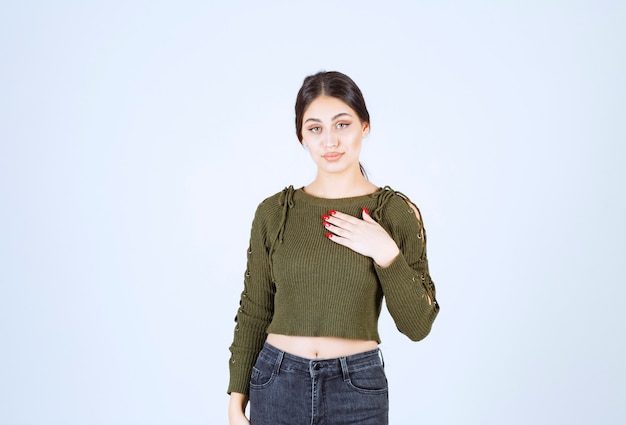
[(298, 282)]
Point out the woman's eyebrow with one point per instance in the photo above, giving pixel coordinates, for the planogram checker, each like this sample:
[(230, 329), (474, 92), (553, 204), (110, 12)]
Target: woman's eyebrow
[(341, 114)]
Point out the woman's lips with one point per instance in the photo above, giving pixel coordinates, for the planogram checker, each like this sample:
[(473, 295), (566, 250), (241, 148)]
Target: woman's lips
[(332, 156)]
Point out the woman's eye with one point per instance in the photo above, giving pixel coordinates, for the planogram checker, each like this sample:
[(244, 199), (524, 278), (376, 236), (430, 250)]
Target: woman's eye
[(342, 125), (315, 129)]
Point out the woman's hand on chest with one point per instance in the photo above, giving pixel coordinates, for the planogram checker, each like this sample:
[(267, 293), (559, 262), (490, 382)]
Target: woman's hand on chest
[(364, 236)]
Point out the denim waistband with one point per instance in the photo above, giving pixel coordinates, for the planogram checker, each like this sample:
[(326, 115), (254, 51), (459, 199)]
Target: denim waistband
[(289, 362)]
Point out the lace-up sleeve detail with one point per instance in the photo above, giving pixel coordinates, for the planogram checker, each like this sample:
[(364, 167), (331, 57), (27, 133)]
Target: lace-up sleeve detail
[(408, 288)]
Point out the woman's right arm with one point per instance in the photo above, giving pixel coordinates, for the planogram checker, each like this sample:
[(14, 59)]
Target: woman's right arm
[(256, 307), (237, 409)]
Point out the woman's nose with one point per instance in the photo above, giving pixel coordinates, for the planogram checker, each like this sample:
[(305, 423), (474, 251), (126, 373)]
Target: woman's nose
[(331, 140)]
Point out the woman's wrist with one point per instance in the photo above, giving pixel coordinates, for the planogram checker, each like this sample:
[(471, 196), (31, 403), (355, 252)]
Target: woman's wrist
[(238, 402), (387, 257)]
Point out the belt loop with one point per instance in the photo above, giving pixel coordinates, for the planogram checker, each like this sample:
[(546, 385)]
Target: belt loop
[(344, 368), (382, 359), (279, 361)]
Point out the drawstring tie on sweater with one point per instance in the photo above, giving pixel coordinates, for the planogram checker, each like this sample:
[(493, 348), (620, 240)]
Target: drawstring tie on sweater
[(285, 200)]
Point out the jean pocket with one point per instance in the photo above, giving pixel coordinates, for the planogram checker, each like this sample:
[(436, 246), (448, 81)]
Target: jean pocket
[(262, 374), (370, 380)]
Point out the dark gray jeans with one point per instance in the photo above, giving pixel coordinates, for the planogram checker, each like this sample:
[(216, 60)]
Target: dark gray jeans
[(291, 390)]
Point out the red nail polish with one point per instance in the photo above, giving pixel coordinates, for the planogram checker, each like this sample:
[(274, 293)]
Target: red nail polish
[(329, 235), (366, 211), (326, 224), (325, 217), (332, 212)]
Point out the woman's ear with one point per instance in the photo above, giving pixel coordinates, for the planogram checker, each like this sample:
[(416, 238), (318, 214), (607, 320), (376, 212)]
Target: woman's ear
[(366, 129)]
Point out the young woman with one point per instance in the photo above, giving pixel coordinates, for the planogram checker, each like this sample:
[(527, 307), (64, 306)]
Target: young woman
[(305, 346)]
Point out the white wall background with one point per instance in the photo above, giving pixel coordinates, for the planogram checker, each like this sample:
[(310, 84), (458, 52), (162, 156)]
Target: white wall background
[(137, 138)]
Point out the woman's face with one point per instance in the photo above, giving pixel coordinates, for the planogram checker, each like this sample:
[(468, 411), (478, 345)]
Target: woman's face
[(333, 132)]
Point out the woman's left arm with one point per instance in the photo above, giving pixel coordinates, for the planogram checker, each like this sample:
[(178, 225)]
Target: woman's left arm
[(400, 263)]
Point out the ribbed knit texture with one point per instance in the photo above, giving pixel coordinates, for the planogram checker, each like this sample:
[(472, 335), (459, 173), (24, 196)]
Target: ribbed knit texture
[(298, 282)]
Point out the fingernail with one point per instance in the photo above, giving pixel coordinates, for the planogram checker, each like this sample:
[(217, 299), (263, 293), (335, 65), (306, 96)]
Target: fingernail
[(366, 211), (325, 217), (326, 224), (332, 212), (329, 235)]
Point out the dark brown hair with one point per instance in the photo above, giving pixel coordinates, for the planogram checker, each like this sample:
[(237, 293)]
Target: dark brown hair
[(333, 84)]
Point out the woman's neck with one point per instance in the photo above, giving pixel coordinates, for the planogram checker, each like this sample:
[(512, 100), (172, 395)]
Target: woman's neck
[(334, 187)]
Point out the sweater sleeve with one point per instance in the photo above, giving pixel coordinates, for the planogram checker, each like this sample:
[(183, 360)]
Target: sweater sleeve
[(407, 286), (256, 306)]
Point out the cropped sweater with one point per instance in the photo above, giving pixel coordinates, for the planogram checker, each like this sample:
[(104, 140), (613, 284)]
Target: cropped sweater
[(298, 282)]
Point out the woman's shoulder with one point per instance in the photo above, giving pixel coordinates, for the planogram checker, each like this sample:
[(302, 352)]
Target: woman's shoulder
[(275, 203), (279, 198), (396, 207), (390, 198)]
